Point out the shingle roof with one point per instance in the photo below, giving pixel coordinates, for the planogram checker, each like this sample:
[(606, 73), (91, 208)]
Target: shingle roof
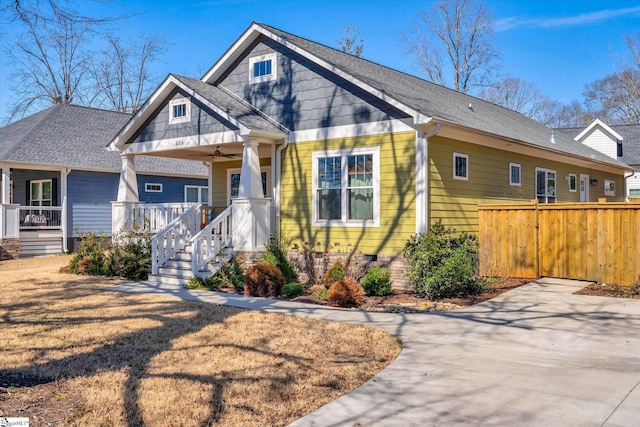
[(75, 137), (444, 104), (630, 141), (235, 107)]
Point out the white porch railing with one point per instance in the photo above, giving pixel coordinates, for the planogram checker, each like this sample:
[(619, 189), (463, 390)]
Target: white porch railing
[(211, 242), (40, 217), (153, 217), (9, 221), (174, 236)]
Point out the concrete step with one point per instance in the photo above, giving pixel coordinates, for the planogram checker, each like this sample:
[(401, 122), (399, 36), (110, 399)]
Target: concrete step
[(178, 263), (176, 272), (166, 279)]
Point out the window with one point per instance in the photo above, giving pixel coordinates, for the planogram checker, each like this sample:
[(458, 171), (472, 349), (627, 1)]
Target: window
[(152, 187), (609, 187), (514, 174), (262, 68), (233, 182), (545, 185), (179, 111), (346, 187), (460, 166), (41, 192), (573, 182), (634, 191), (196, 194)]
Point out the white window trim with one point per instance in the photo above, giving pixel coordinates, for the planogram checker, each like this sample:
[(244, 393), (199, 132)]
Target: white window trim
[(344, 222), (148, 189), (575, 177), (40, 200), (199, 188), (232, 171), (511, 165), (607, 184), (466, 157), (267, 77), (555, 196), (186, 117)]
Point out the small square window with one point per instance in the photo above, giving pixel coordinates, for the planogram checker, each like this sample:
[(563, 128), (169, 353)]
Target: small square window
[(609, 187), (179, 111), (152, 187), (514, 174), (573, 182), (263, 68), (460, 166)]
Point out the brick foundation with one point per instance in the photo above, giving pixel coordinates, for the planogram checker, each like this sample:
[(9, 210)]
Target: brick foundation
[(9, 249)]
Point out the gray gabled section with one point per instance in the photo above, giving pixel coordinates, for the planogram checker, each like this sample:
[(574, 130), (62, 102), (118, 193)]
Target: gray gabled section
[(630, 134)]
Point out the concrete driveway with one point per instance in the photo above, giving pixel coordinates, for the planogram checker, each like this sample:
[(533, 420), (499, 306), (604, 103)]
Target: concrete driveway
[(535, 356)]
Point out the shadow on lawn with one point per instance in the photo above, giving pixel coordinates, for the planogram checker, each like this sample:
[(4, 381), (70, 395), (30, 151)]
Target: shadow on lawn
[(132, 351)]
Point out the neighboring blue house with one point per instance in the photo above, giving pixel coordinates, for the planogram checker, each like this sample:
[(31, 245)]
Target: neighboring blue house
[(59, 179)]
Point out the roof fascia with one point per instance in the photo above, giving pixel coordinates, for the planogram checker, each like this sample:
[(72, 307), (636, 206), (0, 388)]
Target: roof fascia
[(37, 166), (154, 101), (255, 30), (600, 123)]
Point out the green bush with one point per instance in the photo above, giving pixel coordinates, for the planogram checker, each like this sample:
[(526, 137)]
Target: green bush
[(377, 282), (212, 283), (276, 254), (263, 280), (323, 294), (443, 263), (90, 257), (346, 293), (334, 274), (292, 290), (232, 274)]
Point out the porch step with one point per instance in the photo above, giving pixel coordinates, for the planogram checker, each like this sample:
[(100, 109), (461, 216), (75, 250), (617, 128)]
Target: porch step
[(177, 270)]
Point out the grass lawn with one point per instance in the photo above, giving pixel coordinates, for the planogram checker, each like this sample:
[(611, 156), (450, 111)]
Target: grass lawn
[(74, 354)]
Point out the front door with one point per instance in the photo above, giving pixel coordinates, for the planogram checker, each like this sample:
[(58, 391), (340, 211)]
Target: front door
[(584, 188)]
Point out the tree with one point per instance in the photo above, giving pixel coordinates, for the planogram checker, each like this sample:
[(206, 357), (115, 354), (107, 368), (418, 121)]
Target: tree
[(618, 95), (456, 50), (121, 74), (512, 93), (349, 41)]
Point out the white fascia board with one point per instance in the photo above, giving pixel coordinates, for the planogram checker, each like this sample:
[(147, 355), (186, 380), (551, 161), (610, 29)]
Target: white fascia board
[(252, 33), (191, 141), (35, 166), (603, 125), (346, 131)]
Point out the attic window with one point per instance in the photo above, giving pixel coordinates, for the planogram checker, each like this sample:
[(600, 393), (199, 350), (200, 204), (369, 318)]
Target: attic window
[(262, 68), (152, 187), (179, 111)]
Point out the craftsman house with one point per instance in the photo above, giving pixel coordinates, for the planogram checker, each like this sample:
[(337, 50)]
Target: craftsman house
[(326, 147), (620, 142), (58, 179)]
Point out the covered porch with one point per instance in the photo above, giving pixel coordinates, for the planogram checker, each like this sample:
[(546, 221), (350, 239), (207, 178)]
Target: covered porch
[(32, 211)]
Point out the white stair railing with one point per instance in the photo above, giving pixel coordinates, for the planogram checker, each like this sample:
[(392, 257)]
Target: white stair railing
[(154, 217), (211, 242), (174, 236)]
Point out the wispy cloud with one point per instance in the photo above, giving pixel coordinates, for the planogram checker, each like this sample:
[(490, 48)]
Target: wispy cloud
[(567, 21)]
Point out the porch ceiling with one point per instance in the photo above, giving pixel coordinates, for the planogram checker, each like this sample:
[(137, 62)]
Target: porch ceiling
[(229, 152)]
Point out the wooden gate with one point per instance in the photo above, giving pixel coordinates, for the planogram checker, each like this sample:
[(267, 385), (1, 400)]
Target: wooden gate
[(598, 242)]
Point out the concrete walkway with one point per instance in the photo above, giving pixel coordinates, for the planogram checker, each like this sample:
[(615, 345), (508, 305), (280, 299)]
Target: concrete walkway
[(534, 356)]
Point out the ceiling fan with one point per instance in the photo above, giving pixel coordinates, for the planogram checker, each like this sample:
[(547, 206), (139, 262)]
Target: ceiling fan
[(219, 153)]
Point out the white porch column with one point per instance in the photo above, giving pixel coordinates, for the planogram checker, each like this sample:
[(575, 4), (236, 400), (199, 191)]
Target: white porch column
[(6, 177), (122, 208), (210, 185), (63, 220), (250, 175), (251, 210)]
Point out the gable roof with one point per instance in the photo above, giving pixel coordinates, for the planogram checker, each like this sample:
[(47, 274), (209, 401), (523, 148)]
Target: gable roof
[(628, 135), (424, 100), (75, 137)]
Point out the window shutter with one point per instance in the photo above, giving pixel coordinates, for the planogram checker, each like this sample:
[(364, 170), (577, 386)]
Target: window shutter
[(54, 192), (28, 193)]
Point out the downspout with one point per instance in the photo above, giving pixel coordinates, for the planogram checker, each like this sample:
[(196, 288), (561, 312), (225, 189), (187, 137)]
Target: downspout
[(422, 179), (277, 175), (63, 220), (624, 185)]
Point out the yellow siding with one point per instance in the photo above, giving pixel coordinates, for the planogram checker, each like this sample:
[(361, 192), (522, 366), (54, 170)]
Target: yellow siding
[(219, 198), (397, 195), (455, 202)]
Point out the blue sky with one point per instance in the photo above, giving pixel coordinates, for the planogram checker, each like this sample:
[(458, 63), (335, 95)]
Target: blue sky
[(557, 45)]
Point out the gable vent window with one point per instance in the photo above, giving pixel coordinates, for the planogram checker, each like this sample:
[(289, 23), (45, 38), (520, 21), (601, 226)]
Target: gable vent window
[(152, 187), (262, 68), (179, 111)]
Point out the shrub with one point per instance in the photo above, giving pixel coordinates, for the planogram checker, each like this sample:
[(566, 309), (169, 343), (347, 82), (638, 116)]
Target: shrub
[(292, 290), (276, 254), (443, 263), (377, 282), (90, 257), (212, 283), (232, 274), (263, 280), (334, 274), (130, 254), (346, 293), (323, 294)]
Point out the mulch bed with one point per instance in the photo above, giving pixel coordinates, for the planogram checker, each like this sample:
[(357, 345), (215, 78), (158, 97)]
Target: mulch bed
[(615, 291)]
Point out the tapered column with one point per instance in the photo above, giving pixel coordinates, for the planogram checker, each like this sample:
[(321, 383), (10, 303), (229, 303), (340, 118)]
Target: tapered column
[(250, 175), (6, 177), (128, 186)]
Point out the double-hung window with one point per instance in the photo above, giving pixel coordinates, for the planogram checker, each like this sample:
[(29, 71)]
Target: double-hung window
[(346, 187), (514, 174), (545, 185), (460, 166)]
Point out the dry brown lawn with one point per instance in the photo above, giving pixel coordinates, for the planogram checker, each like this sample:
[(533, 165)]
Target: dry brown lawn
[(76, 354)]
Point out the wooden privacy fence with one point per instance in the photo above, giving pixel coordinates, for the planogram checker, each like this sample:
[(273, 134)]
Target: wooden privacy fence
[(598, 242)]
